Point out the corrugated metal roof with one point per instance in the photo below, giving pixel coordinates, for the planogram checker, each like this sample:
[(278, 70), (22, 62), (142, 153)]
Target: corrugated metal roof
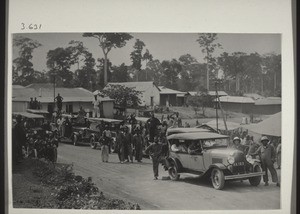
[(165, 90), (235, 99), (45, 95), (138, 86), (269, 101), (212, 93)]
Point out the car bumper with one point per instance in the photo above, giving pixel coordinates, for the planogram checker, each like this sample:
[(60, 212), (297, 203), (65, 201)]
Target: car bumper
[(241, 176)]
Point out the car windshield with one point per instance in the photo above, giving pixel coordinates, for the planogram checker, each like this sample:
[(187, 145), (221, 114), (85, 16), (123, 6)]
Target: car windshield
[(215, 143)]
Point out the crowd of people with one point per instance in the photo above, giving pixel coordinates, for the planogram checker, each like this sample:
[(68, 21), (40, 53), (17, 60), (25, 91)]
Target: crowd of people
[(34, 104)]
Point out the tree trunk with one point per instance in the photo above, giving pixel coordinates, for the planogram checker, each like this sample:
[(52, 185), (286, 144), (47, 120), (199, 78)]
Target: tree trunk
[(207, 76), (275, 83), (105, 69), (237, 83), (262, 84)]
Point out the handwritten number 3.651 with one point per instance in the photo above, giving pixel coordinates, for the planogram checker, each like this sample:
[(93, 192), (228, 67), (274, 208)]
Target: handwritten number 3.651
[(31, 26)]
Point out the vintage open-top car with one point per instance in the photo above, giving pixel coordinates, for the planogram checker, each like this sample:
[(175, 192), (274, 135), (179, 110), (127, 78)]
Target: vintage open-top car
[(171, 131), (34, 122), (99, 124), (207, 154)]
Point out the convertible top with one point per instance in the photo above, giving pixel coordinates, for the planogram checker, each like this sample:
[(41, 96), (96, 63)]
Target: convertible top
[(105, 120), (185, 130), (28, 115), (143, 119), (197, 136)]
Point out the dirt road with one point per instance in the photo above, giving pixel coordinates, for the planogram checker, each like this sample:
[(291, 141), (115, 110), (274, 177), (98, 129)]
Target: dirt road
[(134, 182)]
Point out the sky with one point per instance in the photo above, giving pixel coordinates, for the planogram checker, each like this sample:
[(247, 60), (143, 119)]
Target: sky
[(163, 46)]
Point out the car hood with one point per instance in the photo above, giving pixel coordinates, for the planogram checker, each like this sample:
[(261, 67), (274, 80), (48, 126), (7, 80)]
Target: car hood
[(223, 152)]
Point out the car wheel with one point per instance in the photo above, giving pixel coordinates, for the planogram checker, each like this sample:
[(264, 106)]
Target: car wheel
[(255, 181), (75, 140), (93, 143), (217, 179), (173, 172)]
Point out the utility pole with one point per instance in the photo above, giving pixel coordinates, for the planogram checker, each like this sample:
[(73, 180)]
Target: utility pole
[(218, 98), (216, 105)]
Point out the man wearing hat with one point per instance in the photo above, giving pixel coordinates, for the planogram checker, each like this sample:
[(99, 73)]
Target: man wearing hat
[(267, 156), (237, 144), (155, 151)]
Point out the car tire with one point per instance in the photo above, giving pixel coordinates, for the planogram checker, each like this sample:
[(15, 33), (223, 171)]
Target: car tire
[(217, 178), (255, 181), (173, 172), (75, 140), (93, 144)]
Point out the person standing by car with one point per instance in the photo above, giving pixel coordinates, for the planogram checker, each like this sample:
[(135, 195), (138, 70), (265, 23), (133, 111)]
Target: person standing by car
[(253, 146), (19, 140), (155, 151), (267, 156), (138, 145), (105, 145), (278, 154), (152, 123), (128, 146), (120, 145)]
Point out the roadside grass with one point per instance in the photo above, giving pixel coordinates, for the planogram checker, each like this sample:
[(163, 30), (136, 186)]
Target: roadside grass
[(42, 184)]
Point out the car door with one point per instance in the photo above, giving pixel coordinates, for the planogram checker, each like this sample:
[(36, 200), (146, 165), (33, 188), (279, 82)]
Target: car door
[(196, 161)]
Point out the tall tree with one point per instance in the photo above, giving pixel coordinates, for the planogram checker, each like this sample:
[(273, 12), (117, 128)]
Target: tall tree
[(107, 41), (207, 42), (137, 57), (24, 73), (120, 73), (272, 66), (171, 70), (59, 61), (154, 72), (148, 58), (101, 71)]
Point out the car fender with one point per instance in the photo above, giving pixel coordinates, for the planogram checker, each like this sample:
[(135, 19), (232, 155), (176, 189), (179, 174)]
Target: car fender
[(176, 162), (212, 166)]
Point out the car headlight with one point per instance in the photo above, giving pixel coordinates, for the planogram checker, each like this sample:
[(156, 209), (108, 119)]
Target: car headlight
[(230, 160)]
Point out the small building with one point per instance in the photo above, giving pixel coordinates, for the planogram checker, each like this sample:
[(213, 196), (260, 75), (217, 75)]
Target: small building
[(170, 97), (73, 99), (149, 91), (237, 104), (211, 93), (267, 106)]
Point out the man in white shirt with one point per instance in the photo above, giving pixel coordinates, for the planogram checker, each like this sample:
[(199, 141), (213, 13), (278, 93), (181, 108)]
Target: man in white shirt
[(178, 148), (96, 111)]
